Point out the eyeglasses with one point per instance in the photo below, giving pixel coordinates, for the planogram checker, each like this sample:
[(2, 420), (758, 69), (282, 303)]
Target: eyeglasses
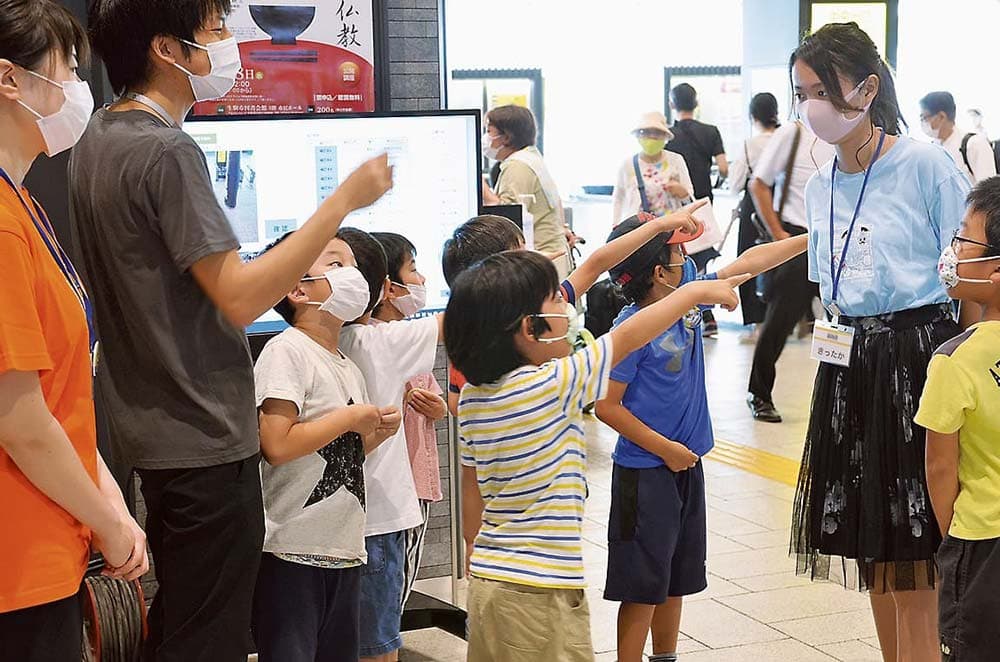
[(959, 239)]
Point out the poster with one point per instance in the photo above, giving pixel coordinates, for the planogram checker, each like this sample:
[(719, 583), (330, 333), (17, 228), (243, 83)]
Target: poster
[(870, 16), (301, 56)]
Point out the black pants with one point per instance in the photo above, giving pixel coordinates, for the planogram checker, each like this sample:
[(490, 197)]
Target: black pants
[(306, 614), (52, 632), (206, 529), (753, 307), (790, 297), (969, 603)]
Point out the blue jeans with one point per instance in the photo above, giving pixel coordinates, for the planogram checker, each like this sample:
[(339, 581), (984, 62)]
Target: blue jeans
[(382, 594)]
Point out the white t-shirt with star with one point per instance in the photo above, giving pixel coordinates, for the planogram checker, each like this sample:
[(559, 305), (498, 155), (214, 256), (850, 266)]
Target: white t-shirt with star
[(314, 506)]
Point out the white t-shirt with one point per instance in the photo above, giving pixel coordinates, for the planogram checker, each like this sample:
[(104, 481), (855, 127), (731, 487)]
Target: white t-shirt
[(626, 200), (746, 161), (980, 153), (811, 155), (314, 505), (389, 355)]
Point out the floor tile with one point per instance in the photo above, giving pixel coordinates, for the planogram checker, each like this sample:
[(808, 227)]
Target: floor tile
[(771, 582), (726, 524), (717, 588), (852, 651), (766, 540), (718, 626), (786, 650), (751, 563), (769, 512), (830, 629), (798, 602), (721, 545)]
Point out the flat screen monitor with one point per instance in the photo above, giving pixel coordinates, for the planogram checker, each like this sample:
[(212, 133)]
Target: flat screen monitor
[(271, 173)]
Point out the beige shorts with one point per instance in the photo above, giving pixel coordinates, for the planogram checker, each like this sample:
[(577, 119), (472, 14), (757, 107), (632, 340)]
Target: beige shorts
[(516, 623)]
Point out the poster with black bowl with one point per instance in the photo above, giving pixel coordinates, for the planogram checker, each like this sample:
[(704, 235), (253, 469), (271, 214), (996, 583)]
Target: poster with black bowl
[(300, 56)]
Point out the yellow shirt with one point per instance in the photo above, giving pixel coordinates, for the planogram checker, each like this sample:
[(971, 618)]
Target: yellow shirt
[(963, 394)]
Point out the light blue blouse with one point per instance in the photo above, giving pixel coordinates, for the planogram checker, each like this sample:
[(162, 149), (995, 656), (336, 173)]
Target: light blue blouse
[(912, 207)]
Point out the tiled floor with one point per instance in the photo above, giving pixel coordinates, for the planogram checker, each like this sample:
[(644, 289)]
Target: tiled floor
[(755, 607)]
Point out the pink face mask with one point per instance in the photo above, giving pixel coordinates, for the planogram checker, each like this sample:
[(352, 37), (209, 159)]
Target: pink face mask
[(829, 124)]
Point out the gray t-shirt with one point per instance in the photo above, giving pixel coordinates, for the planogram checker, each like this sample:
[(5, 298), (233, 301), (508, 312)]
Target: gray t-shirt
[(175, 376)]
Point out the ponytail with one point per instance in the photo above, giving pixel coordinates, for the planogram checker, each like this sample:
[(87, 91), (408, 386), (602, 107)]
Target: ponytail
[(844, 49)]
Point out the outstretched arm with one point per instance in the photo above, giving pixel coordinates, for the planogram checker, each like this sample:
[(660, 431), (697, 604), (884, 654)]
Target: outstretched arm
[(612, 253), (766, 256)]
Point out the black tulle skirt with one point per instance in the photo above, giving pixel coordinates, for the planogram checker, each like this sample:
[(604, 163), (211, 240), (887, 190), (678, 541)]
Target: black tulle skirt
[(862, 512)]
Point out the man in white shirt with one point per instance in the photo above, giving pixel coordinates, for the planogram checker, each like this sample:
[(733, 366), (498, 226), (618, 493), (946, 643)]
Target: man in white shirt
[(778, 188), (971, 151)]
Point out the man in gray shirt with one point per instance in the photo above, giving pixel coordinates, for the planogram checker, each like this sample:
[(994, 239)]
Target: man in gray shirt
[(172, 298)]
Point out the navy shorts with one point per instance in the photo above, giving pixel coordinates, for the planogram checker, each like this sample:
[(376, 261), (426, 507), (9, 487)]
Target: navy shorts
[(969, 601), (656, 535), (382, 584)]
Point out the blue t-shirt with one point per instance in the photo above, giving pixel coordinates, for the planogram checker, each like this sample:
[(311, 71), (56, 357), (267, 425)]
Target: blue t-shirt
[(912, 207), (666, 391)]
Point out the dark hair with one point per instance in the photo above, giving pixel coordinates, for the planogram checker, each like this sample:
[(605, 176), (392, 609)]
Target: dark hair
[(516, 123), (285, 308), (764, 109), (939, 102), (397, 249), (684, 97), (122, 31), (475, 240), (32, 29), (636, 289), (371, 260), (844, 49), (485, 310), (985, 199)]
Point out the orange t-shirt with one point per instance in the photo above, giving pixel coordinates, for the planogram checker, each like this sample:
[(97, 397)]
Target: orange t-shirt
[(43, 328)]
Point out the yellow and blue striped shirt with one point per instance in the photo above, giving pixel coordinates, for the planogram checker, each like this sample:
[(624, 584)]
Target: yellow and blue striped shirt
[(524, 436)]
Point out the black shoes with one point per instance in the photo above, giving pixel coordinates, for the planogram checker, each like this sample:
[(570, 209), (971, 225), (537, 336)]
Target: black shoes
[(763, 410)]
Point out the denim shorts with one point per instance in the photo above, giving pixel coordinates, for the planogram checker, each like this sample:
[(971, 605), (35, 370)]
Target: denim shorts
[(382, 594)]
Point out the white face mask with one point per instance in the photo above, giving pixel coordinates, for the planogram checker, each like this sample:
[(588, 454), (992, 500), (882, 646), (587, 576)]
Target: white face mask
[(829, 124), (489, 151), (63, 129), (349, 293), (572, 329), (412, 303), (224, 57), (929, 131), (948, 268)]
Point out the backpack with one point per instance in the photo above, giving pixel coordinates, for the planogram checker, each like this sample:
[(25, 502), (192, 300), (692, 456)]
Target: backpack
[(964, 149)]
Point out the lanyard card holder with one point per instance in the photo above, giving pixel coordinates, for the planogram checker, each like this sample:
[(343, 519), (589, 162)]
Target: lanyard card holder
[(832, 343)]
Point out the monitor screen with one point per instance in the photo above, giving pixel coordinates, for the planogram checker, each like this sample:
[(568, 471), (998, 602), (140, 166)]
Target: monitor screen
[(271, 173)]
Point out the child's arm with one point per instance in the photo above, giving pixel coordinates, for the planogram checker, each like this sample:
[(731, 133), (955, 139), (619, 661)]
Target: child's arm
[(283, 438), (942, 476), (677, 456), (472, 510), (653, 320), (390, 420), (766, 256), (610, 254)]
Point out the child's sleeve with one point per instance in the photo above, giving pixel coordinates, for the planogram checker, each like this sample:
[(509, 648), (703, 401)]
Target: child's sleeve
[(627, 369), (456, 380), (948, 394), (584, 374), (279, 374), (407, 348), (568, 292)]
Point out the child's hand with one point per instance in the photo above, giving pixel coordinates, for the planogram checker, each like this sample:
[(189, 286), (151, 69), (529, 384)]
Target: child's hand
[(367, 420), (427, 404), (683, 219), (366, 185), (716, 292), (679, 457)]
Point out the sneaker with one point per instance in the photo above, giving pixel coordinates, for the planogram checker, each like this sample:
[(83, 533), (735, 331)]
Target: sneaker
[(763, 410)]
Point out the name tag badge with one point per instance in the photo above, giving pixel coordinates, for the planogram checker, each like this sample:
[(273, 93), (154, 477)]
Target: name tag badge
[(832, 343)]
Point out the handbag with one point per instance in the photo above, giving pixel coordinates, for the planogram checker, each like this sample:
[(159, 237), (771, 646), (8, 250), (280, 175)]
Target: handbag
[(759, 224)]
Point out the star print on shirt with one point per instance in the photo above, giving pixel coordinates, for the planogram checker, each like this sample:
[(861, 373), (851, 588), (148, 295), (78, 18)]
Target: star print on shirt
[(344, 457)]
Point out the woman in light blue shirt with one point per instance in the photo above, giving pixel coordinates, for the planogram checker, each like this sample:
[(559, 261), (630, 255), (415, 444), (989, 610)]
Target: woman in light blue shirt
[(879, 217)]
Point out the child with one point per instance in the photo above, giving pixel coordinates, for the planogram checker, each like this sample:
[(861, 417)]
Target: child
[(389, 356), (316, 424), (960, 408), (483, 236), (509, 330), (422, 403), (658, 403)]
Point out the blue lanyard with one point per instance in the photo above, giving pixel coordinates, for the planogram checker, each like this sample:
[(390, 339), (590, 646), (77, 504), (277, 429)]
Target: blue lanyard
[(836, 271), (44, 228)]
